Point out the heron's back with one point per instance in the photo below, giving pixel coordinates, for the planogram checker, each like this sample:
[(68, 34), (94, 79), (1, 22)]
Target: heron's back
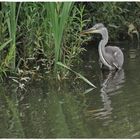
[(116, 54)]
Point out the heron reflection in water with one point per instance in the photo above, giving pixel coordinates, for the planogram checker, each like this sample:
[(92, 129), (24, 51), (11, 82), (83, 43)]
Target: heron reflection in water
[(110, 56), (111, 84)]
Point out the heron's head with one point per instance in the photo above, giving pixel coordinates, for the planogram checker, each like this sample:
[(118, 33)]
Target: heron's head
[(97, 28)]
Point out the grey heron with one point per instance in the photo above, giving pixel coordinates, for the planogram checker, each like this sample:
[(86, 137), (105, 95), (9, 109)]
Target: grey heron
[(110, 56)]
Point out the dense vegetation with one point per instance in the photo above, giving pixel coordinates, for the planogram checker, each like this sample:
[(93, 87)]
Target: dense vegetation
[(36, 36)]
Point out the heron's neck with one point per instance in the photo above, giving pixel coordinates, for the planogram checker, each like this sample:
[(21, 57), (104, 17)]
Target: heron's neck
[(105, 36), (101, 48), (104, 41), (102, 52)]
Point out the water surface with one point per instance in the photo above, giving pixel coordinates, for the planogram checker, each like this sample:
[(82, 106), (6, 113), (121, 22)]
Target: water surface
[(69, 109)]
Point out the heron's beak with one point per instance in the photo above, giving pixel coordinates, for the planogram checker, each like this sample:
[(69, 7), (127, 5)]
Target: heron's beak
[(89, 31)]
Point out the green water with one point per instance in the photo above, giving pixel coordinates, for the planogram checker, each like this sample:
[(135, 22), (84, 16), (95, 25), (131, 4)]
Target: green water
[(69, 109)]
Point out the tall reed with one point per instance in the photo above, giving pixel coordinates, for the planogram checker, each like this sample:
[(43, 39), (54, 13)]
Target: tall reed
[(58, 14), (11, 21)]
